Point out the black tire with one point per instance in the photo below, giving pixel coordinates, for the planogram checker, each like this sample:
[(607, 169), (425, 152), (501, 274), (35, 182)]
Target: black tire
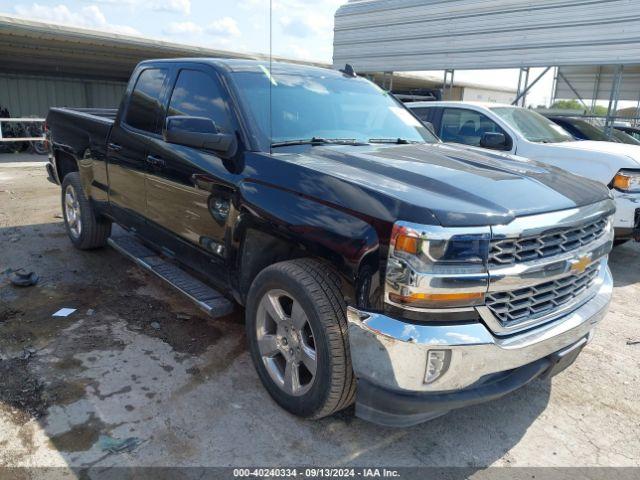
[(620, 241), (94, 231), (316, 287), (39, 148)]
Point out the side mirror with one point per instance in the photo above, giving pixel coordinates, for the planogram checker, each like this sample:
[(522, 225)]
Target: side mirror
[(494, 141), (199, 132)]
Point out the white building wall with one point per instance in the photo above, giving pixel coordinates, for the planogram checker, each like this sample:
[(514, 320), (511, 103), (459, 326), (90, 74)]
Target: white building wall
[(473, 94)]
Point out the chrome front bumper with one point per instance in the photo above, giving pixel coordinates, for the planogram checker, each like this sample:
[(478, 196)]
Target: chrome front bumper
[(624, 221), (392, 354)]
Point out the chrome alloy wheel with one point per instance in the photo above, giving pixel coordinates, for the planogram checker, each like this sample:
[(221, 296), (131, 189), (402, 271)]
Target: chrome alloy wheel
[(72, 211), (286, 342)]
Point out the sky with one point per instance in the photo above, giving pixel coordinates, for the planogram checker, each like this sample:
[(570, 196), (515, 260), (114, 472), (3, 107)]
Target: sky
[(302, 29)]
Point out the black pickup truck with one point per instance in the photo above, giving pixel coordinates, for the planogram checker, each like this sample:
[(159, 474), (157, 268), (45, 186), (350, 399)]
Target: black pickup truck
[(375, 264)]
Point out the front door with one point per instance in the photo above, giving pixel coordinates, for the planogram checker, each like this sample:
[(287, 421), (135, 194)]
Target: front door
[(465, 126), (189, 190)]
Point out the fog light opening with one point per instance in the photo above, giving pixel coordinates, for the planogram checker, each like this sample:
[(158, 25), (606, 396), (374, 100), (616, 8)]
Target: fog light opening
[(437, 364)]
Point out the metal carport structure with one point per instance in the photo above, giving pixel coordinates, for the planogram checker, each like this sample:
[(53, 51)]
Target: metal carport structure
[(44, 65), (417, 35)]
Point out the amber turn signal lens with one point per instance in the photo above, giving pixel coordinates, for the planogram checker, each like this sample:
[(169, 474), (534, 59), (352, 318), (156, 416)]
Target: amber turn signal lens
[(438, 300), (407, 244), (622, 182)]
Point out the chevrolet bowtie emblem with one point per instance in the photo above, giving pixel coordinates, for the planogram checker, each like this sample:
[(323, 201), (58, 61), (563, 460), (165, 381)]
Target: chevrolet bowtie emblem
[(580, 265)]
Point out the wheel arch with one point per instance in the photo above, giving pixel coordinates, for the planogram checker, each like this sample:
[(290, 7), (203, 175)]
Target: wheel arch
[(287, 226), (65, 163)]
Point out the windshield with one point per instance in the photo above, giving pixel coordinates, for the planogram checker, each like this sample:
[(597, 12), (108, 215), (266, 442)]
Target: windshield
[(533, 126), (327, 106), (625, 138)]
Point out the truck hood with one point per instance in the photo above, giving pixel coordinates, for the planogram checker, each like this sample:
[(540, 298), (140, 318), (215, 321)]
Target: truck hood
[(459, 186), (595, 160)]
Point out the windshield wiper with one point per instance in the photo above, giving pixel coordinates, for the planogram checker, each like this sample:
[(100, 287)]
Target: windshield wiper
[(318, 141), (397, 141)]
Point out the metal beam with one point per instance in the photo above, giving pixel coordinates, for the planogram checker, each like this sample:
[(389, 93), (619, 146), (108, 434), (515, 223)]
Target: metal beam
[(554, 87), (523, 94), (526, 86), (573, 89), (596, 90), (447, 86), (613, 101)]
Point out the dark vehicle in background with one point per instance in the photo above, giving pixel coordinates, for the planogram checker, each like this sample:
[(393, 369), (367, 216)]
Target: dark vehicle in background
[(374, 263), (631, 131), (583, 130)]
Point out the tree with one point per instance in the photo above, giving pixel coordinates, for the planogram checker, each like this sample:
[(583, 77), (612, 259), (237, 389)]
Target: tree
[(568, 105), (599, 110)]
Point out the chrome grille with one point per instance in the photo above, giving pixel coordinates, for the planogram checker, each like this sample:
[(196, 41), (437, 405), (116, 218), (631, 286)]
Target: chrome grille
[(524, 304), (515, 250)]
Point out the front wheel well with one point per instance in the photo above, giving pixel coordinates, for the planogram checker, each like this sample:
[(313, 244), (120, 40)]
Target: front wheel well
[(259, 250)]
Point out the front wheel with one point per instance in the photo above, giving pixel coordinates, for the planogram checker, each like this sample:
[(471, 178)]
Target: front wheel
[(297, 332), (85, 229)]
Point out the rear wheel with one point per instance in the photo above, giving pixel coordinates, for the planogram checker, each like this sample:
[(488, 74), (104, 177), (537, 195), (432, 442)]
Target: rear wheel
[(297, 331), (85, 229)]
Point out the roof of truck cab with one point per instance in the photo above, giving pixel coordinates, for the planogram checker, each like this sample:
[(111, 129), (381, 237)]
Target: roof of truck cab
[(245, 65)]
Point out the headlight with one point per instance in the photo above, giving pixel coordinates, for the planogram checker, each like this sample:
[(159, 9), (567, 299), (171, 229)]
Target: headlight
[(627, 181), (435, 267)]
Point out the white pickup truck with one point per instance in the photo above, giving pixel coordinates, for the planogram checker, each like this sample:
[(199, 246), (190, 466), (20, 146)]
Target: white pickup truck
[(525, 133)]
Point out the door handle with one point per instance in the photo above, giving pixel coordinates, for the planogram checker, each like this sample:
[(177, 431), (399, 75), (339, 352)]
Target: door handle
[(114, 146), (155, 161)]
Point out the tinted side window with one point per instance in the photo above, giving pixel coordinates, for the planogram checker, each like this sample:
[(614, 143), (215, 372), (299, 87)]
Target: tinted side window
[(144, 104), (422, 113), (196, 94), (571, 129), (466, 126)]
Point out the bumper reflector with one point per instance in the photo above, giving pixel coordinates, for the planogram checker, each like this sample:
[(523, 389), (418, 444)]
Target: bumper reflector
[(437, 364)]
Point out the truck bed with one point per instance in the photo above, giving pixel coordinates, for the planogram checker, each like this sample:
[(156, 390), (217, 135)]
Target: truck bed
[(109, 113), (75, 129)]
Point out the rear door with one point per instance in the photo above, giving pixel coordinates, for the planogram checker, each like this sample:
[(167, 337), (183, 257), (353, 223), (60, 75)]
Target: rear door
[(128, 143), (188, 189)]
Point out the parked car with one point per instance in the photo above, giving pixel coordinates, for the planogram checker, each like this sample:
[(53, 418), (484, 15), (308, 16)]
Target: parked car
[(374, 263), (523, 132), (583, 130), (632, 131)]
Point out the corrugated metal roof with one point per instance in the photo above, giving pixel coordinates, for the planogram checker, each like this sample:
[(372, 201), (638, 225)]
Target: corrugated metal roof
[(28, 46), (596, 82), (410, 35), (49, 49)]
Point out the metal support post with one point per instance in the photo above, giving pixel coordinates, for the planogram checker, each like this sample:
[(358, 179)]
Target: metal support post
[(613, 101), (523, 94)]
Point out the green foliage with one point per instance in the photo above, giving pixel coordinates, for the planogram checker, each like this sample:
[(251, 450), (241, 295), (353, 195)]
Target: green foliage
[(600, 111), (568, 105), (576, 105)]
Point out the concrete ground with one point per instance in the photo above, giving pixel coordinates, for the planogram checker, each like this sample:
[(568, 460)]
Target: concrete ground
[(136, 363)]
